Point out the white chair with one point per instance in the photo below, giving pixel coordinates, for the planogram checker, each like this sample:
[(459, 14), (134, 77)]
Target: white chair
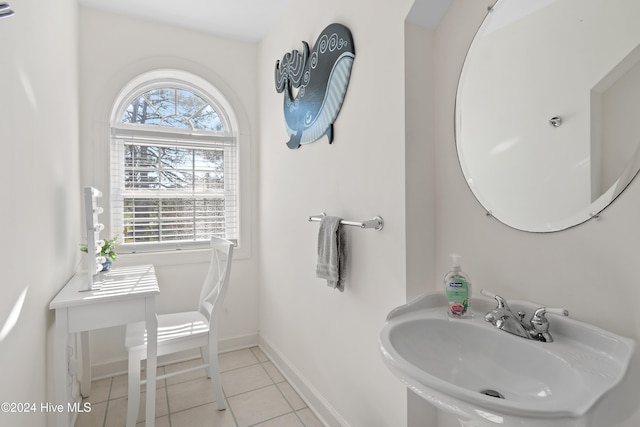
[(186, 330)]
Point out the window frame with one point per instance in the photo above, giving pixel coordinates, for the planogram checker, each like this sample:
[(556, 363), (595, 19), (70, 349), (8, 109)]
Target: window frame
[(119, 131)]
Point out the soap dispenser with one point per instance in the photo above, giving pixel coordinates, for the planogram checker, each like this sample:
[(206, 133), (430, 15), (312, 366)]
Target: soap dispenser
[(457, 287)]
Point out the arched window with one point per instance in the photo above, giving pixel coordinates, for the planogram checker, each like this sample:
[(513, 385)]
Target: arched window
[(174, 163)]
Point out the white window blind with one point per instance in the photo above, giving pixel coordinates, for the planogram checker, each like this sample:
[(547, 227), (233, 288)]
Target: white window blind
[(174, 173)]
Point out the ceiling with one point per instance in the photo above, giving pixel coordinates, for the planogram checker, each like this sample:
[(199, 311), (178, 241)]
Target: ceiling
[(428, 13), (246, 20)]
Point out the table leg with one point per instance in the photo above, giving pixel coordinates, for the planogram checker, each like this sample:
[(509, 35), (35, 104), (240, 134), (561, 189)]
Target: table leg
[(85, 381), (61, 365), (151, 320)]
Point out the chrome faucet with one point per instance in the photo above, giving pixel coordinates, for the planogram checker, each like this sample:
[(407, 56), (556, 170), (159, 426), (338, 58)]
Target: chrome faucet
[(504, 319)]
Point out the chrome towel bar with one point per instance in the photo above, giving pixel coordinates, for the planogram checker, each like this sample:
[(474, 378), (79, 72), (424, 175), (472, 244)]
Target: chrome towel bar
[(377, 223)]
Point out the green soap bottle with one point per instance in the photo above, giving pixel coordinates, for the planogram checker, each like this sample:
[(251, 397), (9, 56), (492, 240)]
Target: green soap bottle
[(457, 287)]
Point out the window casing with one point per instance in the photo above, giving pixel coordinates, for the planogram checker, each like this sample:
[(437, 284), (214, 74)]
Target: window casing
[(174, 168)]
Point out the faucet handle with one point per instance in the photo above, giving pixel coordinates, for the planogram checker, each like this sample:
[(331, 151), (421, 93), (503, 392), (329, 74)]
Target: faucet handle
[(539, 314), (487, 293), (540, 324), (502, 303)]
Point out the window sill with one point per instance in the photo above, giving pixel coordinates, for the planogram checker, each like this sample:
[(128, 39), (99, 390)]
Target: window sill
[(173, 257), (187, 256)]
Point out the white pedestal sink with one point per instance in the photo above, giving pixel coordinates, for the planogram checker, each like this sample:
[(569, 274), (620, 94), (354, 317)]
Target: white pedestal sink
[(487, 377)]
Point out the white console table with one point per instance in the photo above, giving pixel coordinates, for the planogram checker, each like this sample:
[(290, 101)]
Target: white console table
[(122, 295)]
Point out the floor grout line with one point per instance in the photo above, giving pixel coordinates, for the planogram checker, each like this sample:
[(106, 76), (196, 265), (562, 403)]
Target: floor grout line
[(166, 395), (233, 415), (106, 408), (273, 418)]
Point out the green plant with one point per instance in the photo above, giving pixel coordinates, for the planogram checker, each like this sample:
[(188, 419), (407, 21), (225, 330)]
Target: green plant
[(108, 248)]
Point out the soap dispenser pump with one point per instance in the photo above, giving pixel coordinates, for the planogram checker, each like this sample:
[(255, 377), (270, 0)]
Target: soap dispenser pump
[(457, 287)]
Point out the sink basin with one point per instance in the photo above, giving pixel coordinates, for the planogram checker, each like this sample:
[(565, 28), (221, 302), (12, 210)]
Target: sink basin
[(468, 367)]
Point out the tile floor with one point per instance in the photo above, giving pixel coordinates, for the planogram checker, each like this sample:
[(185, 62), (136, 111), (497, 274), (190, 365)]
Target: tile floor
[(257, 395)]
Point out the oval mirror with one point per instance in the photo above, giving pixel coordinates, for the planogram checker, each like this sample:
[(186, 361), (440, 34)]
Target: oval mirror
[(548, 110)]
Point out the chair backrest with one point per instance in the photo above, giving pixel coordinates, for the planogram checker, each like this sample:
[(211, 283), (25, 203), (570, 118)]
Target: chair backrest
[(216, 282)]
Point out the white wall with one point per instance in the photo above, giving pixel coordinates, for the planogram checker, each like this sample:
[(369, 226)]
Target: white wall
[(329, 338), (40, 192), (419, 183), (589, 269), (113, 50), (420, 174)]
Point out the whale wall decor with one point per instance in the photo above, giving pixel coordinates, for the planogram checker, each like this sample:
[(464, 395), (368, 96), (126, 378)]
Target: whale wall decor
[(321, 76)]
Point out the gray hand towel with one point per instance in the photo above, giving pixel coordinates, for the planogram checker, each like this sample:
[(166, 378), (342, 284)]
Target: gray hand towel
[(331, 252)]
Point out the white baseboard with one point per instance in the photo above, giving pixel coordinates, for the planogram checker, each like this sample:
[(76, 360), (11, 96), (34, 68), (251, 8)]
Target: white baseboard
[(314, 400), (237, 343), (119, 367)]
